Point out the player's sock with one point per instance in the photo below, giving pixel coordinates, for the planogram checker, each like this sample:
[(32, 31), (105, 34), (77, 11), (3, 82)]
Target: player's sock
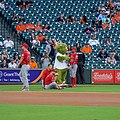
[(75, 81), (72, 81)]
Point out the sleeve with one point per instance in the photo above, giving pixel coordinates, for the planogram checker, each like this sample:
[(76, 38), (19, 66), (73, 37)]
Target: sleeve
[(9, 65), (17, 28), (90, 49), (12, 43), (4, 42), (98, 42), (36, 66), (47, 49), (23, 55), (52, 79), (83, 50), (99, 17)]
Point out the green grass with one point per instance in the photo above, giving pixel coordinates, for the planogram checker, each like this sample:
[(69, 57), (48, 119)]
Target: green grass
[(80, 88), (39, 112)]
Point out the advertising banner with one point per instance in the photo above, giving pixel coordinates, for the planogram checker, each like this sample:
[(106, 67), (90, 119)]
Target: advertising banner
[(117, 76), (34, 76), (103, 76)]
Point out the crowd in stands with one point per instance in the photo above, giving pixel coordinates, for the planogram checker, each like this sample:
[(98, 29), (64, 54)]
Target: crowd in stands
[(24, 4), (106, 16), (11, 60), (30, 26)]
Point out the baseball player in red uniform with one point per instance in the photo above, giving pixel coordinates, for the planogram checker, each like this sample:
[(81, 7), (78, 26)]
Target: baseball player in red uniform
[(73, 66), (24, 61), (46, 72), (50, 82)]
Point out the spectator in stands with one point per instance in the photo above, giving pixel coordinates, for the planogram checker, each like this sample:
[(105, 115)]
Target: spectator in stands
[(87, 49), (30, 26), (116, 3), (101, 16), (29, 3), (8, 43), (117, 16), (78, 47), (110, 4), (2, 5), (75, 20), (4, 64), (84, 19), (40, 37), (69, 49), (46, 39), (107, 12), (50, 50), (101, 8), (102, 54), (106, 25), (117, 58), (47, 28), (113, 19), (97, 24), (96, 30), (32, 37), (107, 17), (38, 27), (15, 18), (88, 30), (61, 18), (12, 64), (111, 59), (5, 56), (108, 41), (70, 19), (34, 41), (46, 60), (16, 59), (20, 27), (24, 6), (19, 3), (93, 42), (33, 64)]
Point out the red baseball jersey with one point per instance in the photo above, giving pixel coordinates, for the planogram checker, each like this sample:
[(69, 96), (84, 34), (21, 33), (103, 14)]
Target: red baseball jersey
[(49, 79), (26, 57), (46, 72), (73, 58)]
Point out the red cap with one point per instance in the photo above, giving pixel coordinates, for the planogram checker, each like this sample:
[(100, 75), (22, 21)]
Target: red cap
[(74, 48), (24, 45)]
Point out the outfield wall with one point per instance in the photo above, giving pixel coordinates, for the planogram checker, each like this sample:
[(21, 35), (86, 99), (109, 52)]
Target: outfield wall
[(34, 76), (91, 76), (9, 76), (106, 76)]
